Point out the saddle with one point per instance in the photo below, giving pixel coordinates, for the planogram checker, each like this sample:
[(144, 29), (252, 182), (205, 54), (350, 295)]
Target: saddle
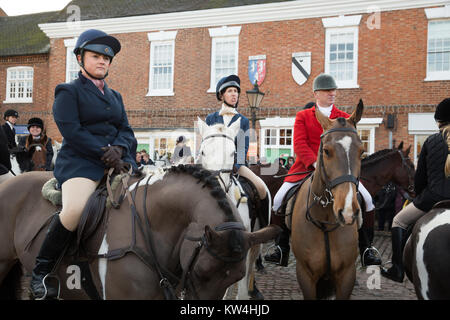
[(287, 205), (257, 209), (85, 246)]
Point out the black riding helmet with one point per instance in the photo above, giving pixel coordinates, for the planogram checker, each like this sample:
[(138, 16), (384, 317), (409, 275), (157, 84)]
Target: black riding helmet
[(442, 112), (99, 42), (226, 82), (10, 113), (35, 122)]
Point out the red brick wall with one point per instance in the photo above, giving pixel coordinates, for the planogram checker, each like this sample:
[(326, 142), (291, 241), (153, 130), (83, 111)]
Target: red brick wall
[(38, 108), (391, 72)]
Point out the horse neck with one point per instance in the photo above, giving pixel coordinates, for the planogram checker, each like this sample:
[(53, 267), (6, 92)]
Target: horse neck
[(376, 174)]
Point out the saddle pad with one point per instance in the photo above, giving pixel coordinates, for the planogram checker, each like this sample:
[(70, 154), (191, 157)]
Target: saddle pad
[(51, 193)]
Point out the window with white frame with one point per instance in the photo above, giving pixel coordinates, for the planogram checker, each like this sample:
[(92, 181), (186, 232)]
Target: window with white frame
[(366, 131), (438, 53), (224, 53), (341, 49), (19, 84), (438, 49), (162, 56), (72, 67)]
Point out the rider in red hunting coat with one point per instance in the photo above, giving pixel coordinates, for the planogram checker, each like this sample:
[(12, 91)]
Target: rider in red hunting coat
[(307, 132)]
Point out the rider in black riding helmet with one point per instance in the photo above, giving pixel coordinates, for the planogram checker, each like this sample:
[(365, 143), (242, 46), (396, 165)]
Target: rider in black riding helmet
[(432, 184), (96, 136)]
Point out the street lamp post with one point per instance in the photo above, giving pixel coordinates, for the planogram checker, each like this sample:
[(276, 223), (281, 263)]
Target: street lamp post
[(254, 97)]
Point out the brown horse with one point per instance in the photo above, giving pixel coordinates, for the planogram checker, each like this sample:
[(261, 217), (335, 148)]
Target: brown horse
[(324, 233), (175, 230), (267, 172), (388, 165)]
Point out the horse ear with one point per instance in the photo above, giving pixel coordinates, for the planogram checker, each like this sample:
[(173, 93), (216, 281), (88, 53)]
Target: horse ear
[(407, 151), (235, 127), (201, 126), (400, 146), (324, 121), (264, 235), (357, 114)]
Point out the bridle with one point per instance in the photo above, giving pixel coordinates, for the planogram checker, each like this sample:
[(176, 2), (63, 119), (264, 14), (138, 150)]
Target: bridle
[(327, 198), (220, 171), (168, 280), (202, 242), (409, 171)]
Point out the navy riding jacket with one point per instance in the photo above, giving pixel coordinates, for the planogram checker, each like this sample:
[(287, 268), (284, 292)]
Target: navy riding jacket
[(242, 139), (430, 182), (88, 121)]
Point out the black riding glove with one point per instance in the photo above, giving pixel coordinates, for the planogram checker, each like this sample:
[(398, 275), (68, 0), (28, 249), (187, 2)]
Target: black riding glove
[(112, 155)]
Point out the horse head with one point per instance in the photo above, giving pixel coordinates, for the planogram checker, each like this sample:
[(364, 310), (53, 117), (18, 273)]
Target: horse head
[(339, 164), (216, 259), (217, 148)]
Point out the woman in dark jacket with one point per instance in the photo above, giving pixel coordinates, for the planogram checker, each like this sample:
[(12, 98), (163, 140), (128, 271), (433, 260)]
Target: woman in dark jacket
[(5, 160), (432, 184), (96, 136), (37, 139)]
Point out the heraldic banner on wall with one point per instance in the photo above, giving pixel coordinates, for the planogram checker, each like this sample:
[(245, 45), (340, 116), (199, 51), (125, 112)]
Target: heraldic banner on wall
[(301, 66), (257, 69)]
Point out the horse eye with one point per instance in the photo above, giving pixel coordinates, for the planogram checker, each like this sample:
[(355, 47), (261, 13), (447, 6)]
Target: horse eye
[(203, 153), (326, 152)]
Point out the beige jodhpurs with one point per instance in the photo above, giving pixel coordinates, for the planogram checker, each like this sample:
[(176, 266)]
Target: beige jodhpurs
[(6, 176), (407, 216), (257, 181), (75, 194)]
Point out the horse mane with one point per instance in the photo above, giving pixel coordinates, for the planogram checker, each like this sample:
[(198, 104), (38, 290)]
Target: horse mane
[(209, 180), (377, 156)]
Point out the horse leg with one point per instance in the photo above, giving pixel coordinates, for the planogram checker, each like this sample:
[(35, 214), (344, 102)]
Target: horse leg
[(10, 274), (345, 282), (306, 282), (252, 290), (243, 288)]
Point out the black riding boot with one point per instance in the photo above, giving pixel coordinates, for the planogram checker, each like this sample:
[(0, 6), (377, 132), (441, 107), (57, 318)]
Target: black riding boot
[(281, 257), (367, 252), (56, 240), (396, 272)]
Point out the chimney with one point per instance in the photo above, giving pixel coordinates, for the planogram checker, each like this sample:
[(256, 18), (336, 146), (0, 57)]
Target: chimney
[(2, 13)]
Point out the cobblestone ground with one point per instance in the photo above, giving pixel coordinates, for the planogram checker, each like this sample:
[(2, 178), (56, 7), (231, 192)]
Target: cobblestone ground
[(280, 283)]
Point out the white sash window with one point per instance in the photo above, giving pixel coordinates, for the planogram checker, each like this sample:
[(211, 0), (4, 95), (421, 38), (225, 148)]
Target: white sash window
[(19, 85)]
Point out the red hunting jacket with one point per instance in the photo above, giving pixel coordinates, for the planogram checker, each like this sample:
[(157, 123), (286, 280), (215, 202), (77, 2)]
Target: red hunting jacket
[(307, 131)]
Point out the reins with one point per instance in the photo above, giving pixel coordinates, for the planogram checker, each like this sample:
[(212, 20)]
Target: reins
[(168, 280), (325, 200)]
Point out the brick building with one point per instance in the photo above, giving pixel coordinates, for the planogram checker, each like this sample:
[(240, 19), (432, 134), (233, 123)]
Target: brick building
[(394, 54)]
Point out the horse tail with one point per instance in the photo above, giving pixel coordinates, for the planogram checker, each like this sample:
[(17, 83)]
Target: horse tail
[(325, 288), (10, 286)]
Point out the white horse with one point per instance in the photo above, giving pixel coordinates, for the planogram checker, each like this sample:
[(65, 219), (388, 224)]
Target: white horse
[(216, 153)]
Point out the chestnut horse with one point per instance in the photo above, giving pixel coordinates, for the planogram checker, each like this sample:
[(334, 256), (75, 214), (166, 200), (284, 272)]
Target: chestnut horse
[(175, 234), (324, 235)]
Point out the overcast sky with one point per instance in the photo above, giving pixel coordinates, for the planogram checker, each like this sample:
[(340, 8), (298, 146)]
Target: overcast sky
[(19, 7)]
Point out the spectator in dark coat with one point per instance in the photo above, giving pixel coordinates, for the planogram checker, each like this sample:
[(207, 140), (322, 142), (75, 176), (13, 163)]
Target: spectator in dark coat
[(10, 117), (432, 184), (5, 161)]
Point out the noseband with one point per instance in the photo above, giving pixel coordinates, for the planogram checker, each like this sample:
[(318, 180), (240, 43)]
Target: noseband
[(344, 178), (202, 242), (327, 198)]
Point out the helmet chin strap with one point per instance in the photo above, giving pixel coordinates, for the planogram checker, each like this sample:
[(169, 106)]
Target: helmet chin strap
[(90, 75)]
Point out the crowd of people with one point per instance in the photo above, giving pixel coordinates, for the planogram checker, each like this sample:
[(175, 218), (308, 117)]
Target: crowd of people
[(87, 151)]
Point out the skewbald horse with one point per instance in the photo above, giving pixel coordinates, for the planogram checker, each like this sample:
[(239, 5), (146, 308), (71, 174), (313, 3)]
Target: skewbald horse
[(324, 233)]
